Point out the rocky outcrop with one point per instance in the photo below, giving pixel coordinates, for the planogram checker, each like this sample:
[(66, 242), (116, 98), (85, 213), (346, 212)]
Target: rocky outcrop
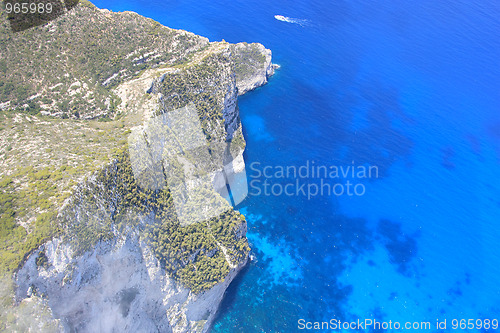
[(115, 267), (253, 66)]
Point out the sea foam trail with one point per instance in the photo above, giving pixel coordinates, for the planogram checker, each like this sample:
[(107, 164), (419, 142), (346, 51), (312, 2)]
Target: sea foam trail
[(282, 18)]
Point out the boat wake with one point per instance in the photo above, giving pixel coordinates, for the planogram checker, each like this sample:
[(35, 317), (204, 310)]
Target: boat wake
[(298, 21)]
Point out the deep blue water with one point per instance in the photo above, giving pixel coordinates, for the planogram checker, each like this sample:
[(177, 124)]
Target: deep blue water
[(412, 87)]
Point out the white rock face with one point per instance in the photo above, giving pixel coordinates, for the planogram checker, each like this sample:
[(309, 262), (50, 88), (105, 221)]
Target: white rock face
[(230, 111), (117, 287)]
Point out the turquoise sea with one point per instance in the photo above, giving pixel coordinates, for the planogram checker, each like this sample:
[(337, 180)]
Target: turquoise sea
[(412, 87)]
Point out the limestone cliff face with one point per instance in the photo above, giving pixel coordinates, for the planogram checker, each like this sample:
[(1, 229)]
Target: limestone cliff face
[(119, 265), (118, 286)]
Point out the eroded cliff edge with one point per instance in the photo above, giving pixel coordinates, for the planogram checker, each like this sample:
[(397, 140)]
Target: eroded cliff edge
[(101, 252)]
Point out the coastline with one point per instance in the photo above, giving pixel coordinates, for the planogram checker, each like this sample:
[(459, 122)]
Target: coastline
[(84, 257)]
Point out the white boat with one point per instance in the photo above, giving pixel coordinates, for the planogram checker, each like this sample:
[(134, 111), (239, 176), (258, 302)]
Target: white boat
[(281, 18)]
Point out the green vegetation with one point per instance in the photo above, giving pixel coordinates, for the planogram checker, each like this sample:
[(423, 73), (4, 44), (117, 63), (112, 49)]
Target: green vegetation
[(195, 84), (16, 242), (69, 66), (192, 255), (189, 254), (41, 260), (247, 60), (40, 168)]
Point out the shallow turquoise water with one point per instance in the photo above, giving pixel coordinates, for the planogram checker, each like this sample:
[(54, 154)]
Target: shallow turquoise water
[(411, 87)]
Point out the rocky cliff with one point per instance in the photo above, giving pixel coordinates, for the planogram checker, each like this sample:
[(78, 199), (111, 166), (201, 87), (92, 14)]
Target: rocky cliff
[(253, 66), (141, 239)]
